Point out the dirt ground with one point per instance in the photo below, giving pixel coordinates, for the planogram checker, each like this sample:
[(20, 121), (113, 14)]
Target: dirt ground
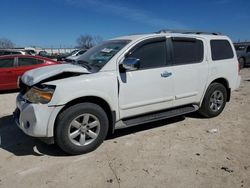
[(177, 152)]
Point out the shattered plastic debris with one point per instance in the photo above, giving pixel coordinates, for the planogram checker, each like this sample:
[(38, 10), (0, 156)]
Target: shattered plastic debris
[(212, 131)]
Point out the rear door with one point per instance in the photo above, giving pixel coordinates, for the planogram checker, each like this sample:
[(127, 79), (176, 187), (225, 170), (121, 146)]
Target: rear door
[(7, 73), (26, 63), (189, 69)]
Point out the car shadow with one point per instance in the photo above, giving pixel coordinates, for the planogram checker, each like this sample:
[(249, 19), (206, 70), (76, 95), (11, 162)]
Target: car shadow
[(13, 140), (143, 127), (9, 91), (195, 115)]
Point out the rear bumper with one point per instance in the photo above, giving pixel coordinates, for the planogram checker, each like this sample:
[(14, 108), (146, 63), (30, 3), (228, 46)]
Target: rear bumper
[(238, 82)]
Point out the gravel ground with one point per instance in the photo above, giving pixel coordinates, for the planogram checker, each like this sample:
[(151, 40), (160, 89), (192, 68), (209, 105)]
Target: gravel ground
[(177, 152)]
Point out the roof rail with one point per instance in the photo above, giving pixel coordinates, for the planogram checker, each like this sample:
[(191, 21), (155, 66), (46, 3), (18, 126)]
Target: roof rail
[(188, 32)]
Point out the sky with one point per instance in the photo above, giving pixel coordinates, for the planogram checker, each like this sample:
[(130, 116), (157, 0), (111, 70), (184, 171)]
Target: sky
[(58, 23)]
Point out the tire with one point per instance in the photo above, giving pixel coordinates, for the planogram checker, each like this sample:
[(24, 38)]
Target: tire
[(81, 128), (242, 62), (214, 100)]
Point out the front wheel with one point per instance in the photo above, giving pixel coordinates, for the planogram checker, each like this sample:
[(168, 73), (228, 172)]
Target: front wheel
[(214, 100), (81, 128)]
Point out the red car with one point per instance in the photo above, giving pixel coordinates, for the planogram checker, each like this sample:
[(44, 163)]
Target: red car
[(13, 66)]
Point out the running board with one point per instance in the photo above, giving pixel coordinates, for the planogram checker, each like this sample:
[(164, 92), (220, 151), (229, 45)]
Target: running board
[(129, 122)]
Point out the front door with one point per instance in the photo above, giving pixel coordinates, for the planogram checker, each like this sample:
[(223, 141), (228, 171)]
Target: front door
[(149, 88)]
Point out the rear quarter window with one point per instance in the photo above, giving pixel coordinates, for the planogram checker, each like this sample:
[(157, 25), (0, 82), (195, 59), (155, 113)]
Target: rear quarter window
[(221, 49)]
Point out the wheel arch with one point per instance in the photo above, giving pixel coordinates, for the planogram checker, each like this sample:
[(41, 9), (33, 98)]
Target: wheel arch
[(244, 61), (95, 100), (225, 83), (242, 57)]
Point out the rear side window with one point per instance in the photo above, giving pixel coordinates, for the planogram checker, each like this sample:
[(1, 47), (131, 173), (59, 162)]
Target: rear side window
[(151, 55), (7, 63), (221, 49), (187, 50), (28, 61), (6, 53), (15, 53)]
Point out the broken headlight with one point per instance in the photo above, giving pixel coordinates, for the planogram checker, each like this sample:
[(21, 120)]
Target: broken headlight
[(39, 95)]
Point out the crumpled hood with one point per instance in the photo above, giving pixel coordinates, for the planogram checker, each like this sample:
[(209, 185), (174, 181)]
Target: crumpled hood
[(39, 74)]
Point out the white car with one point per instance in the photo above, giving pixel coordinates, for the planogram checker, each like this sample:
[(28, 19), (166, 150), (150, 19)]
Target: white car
[(124, 82), (75, 56), (12, 52)]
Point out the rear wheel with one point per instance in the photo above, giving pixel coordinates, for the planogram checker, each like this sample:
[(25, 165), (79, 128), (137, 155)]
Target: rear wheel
[(81, 128), (214, 100)]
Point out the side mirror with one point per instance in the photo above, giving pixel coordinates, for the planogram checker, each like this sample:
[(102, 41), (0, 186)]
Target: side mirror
[(131, 63)]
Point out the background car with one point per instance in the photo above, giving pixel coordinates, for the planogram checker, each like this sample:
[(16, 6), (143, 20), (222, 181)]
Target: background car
[(12, 52), (43, 54), (62, 57), (243, 54), (30, 52), (13, 66), (74, 57)]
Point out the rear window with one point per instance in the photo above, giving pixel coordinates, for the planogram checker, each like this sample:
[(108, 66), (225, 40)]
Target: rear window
[(7, 63), (187, 50), (221, 49)]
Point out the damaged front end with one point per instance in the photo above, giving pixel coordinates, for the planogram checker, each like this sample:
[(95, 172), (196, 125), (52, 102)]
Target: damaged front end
[(32, 84), (34, 113)]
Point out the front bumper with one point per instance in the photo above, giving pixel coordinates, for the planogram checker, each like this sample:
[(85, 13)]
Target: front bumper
[(36, 120)]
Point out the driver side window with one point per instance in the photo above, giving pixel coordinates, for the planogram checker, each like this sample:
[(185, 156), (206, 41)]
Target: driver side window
[(152, 54)]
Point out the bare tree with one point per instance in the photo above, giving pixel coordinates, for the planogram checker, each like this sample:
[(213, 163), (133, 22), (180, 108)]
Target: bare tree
[(6, 43), (87, 41)]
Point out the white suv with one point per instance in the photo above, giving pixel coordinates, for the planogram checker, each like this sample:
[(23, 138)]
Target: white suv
[(124, 82)]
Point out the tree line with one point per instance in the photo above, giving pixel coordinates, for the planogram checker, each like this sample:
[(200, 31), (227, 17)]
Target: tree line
[(83, 41)]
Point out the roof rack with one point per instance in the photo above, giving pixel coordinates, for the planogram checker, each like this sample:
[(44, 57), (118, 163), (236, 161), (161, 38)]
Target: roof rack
[(188, 32)]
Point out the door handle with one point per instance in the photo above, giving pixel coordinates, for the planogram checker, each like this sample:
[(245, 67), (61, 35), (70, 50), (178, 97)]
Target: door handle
[(166, 74)]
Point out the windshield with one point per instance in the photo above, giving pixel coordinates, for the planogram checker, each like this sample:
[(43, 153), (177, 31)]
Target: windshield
[(95, 58)]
